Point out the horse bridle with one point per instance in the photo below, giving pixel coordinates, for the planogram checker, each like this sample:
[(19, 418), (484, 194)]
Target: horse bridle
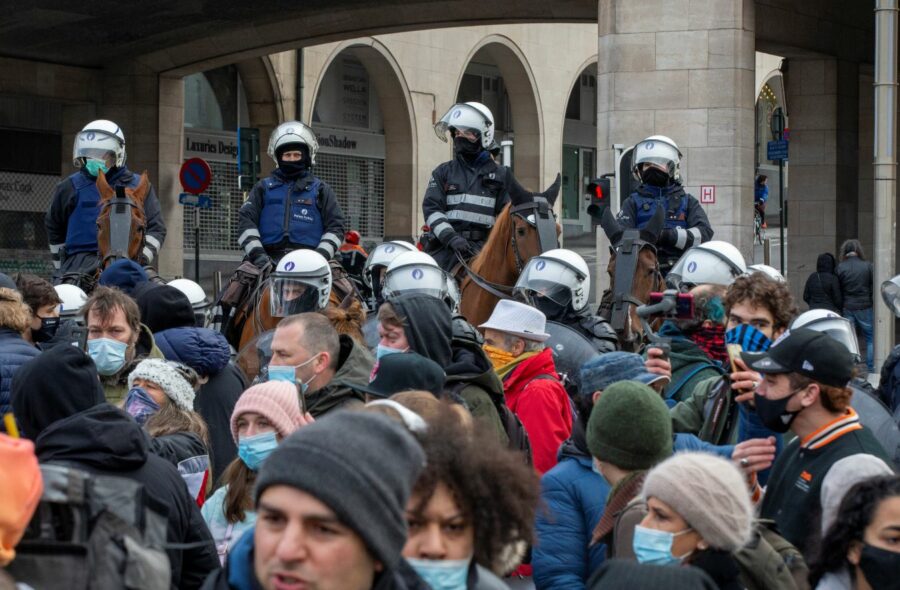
[(120, 215), (630, 245)]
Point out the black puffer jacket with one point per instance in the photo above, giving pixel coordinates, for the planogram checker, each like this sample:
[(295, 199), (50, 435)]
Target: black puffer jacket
[(856, 276), (823, 289)]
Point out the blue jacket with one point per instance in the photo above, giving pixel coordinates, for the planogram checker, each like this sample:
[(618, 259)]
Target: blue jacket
[(573, 498), (14, 352)]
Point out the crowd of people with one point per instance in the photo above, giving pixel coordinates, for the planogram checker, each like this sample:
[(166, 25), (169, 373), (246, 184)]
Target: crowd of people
[(741, 448)]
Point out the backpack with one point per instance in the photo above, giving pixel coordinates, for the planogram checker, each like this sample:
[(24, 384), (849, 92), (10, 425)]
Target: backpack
[(93, 532), (672, 390), (771, 562)]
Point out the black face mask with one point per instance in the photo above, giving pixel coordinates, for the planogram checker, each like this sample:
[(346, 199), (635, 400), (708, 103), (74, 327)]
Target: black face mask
[(292, 170), (465, 148), (655, 177), (549, 308), (47, 331), (880, 567), (773, 412)]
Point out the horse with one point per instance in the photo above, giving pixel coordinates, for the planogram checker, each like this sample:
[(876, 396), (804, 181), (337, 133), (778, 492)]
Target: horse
[(633, 272), (513, 241)]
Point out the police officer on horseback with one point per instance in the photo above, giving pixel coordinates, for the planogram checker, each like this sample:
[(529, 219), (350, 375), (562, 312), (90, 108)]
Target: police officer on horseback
[(558, 283), (291, 208), (71, 221), (465, 194), (657, 165)]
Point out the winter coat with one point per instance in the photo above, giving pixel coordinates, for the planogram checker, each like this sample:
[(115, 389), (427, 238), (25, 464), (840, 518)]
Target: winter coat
[(105, 440), (207, 352), (213, 511), (542, 405), (116, 386), (823, 288), (354, 367), (481, 388), (177, 446), (239, 574), (573, 497), (14, 352), (720, 566), (690, 365), (856, 276)]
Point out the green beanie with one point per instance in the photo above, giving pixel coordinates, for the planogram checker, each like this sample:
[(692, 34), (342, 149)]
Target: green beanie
[(630, 427)]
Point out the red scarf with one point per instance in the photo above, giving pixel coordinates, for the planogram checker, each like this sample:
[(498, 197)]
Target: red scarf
[(711, 340)]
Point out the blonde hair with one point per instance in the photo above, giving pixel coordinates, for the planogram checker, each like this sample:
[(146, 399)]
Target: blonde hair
[(431, 408), (14, 313)]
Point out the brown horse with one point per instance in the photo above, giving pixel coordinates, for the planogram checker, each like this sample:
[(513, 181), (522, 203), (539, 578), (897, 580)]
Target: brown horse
[(121, 240)]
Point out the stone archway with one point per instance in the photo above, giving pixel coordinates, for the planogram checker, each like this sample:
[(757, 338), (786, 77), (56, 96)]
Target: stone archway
[(264, 101)]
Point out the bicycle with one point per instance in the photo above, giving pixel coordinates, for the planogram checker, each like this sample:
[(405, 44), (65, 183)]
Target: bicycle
[(759, 231)]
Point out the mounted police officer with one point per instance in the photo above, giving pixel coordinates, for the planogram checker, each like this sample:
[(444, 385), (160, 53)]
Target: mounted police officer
[(558, 283), (290, 209), (71, 221), (465, 194), (657, 164)]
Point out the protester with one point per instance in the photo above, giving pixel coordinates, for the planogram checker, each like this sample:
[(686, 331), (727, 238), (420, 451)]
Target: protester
[(22, 488), (117, 341), (823, 288), (856, 276), (15, 351), (513, 338), (73, 425), (43, 302), (698, 513), (471, 512), (860, 550), (124, 274), (629, 432), (221, 384), (163, 307), (842, 476), (264, 416), (404, 372), (328, 368), (423, 324), (329, 503), (805, 390)]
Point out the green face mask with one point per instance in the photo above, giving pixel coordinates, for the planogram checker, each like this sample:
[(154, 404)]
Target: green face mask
[(94, 166)]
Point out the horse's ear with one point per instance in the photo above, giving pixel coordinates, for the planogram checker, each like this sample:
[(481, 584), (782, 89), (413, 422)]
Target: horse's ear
[(552, 192), (611, 227), (346, 301), (143, 187), (106, 191), (654, 227), (517, 193)]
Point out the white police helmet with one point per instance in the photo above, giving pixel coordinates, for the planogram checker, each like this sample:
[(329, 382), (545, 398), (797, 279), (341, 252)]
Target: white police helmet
[(890, 294), (301, 282), (767, 270), (415, 272), (832, 324), (293, 132), (659, 150), (710, 263), (468, 116), (381, 257), (560, 275), (96, 140), (73, 299), (196, 295)]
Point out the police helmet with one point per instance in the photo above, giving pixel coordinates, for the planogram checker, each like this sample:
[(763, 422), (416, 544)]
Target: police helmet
[(832, 324), (72, 300), (381, 257), (415, 272), (710, 263), (301, 282), (293, 132), (468, 116), (560, 275), (96, 140), (890, 294), (659, 150), (197, 296), (767, 270)]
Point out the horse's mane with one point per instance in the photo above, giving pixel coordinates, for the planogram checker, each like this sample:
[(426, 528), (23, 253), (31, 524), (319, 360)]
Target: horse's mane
[(493, 253), (347, 320)]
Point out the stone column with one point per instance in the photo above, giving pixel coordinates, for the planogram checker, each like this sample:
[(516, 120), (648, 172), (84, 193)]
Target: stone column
[(685, 69)]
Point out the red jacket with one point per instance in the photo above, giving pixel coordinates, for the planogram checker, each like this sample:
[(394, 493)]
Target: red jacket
[(542, 405)]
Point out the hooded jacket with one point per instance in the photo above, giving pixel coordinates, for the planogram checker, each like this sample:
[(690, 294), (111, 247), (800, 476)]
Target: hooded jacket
[(471, 373), (115, 386), (14, 352), (823, 289), (574, 497), (856, 276), (427, 325), (354, 367)]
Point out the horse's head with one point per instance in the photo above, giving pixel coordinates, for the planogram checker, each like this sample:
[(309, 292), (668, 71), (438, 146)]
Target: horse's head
[(121, 222), (534, 226)]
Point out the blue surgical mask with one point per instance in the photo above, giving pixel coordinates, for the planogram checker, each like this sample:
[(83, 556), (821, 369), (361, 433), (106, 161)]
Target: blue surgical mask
[(382, 351), (655, 547), (140, 405), (442, 574), (93, 167), (253, 450), (108, 355), (289, 373), (749, 337)]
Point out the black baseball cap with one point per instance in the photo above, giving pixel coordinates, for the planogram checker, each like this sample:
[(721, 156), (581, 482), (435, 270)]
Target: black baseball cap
[(404, 372), (806, 352)]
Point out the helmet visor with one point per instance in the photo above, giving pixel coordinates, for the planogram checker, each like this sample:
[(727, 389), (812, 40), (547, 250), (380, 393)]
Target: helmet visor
[(292, 295), (890, 293), (839, 329), (462, 117), (90, 153), (415, 279)]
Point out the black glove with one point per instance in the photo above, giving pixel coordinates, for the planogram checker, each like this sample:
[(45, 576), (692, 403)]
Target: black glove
[(667, 238), (325, 253), (259, 258), (460, 245)]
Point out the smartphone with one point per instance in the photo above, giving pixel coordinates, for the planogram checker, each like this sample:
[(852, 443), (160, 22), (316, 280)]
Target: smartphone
[(734, 353), (684, 305), (79, 336)]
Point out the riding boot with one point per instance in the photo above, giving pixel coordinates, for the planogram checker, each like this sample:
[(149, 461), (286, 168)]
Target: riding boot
[(604, 310)]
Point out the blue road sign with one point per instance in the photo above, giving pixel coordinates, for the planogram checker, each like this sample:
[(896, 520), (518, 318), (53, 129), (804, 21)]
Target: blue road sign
[(777, 150), (189, 200)]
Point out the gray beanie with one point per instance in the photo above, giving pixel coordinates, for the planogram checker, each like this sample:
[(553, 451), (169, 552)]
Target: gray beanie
[(842, 476), (361, 465), (709, 493)]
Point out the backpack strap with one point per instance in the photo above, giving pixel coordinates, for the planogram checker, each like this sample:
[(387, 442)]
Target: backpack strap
[(671, 391)]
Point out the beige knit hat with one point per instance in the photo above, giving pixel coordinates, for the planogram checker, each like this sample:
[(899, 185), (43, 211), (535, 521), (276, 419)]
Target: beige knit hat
[(709, 493)]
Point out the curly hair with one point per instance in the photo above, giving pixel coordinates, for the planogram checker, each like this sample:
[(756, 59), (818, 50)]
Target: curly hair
[(496, 490), (761, 291), (854, 515), (14, 314)]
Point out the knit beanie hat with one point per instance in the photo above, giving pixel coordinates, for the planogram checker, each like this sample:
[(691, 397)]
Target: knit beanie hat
[(362, 465), (7, 283), (22, 488), (709, 493), (842, 476), (277, 401), (630, 427), (169, 380), (163, 307), (126, 274)]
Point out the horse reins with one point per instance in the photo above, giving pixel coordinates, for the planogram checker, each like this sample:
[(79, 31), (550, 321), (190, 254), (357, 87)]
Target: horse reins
[(121, 199)]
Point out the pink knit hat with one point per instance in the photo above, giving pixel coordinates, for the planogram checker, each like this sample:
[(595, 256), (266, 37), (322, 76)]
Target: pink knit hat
[(278, 401)]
